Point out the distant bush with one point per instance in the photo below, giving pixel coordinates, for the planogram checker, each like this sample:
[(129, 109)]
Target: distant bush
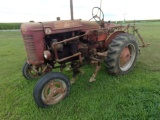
[(6, 26)]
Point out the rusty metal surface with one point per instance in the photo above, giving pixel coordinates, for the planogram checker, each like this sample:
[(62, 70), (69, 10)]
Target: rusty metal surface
[(62, 26), (53, 92), (92, 79), (33, 37), (66, 58), (34, 51), (111, 37), (68, 25), (140, 37), (89, 25), (31, 26), (125, 56)]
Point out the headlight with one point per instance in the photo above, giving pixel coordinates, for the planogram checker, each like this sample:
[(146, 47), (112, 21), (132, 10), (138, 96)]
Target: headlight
[(47, 55)]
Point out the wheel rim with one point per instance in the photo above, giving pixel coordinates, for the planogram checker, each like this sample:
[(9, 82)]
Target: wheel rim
[(37, 71), (54, 91), (33, 71), (127, 57)]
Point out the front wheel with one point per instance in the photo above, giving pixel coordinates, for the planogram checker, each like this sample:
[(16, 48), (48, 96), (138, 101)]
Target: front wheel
[(51, 89), (122, 54), (31, 72)]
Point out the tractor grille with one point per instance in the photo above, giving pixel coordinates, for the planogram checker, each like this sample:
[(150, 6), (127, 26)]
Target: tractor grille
[(30, 47)]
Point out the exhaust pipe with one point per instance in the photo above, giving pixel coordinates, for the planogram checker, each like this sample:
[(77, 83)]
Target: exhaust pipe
[(71, 9)]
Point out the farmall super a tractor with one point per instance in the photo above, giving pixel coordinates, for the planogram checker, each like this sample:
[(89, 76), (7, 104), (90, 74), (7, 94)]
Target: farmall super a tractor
[(74, 43)]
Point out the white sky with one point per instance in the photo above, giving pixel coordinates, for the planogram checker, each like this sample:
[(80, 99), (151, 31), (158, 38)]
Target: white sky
[(48, 10)]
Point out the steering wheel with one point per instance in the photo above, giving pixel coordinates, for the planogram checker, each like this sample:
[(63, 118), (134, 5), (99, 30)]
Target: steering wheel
[(97, 14)]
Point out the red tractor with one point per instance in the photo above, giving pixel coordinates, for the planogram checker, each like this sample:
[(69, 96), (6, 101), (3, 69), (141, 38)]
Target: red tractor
[(74, 43)]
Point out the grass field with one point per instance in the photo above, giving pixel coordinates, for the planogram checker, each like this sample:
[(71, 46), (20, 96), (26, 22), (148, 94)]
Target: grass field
[(133, 96)]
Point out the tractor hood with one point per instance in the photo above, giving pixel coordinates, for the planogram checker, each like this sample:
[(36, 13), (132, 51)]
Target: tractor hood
[(68, 25), (61, 26)]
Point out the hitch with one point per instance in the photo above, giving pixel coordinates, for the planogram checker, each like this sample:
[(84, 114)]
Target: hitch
[(140, 37)]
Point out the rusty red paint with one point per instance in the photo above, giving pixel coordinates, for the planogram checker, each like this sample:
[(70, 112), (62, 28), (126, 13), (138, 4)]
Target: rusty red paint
[(38, 31), (33, 36), (111, 37), (68, 25), (125, 56)]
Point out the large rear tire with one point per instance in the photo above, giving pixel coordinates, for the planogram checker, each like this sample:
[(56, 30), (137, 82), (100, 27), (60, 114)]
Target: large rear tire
[(51, 89), (122, 54)]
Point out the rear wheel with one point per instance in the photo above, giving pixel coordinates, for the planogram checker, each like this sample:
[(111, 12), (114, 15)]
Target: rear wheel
[(51, 89), (122, 54)]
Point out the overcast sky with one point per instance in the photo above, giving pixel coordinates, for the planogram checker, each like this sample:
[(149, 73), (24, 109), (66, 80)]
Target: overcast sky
[(48, 10)]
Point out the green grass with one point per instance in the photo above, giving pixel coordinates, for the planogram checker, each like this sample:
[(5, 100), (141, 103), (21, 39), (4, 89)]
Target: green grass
[(132, 96)]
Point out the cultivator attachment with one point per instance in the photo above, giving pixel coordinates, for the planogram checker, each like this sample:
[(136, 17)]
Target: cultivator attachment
[(140, 37), (135, 30)]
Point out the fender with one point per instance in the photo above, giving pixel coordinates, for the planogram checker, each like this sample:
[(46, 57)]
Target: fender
[(111, 37)]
